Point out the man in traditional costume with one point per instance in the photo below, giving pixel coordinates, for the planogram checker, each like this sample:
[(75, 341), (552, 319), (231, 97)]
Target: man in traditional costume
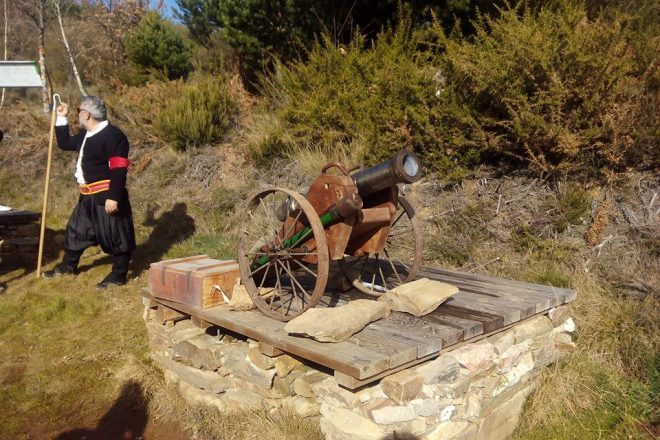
[(103, 215)]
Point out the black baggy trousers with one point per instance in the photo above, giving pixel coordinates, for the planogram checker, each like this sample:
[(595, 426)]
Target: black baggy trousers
[(89, 225)]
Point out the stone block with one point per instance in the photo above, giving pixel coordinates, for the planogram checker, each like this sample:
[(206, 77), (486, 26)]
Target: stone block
[(329, 391), (450, 431), (443, 369), (474, 356), (259, 359), (236, 362), (305, 407), (559, 315), (447, 412), (510, 357), (426, 407), (206, 380), (303, 385), (242, 400), (502, 419), (335, 324), (531, 328), (285, 364), (567, 326), (472, 407), (387, 413), (501, 341), (201, 351), (344, 424), (545, 355), (402, 387)]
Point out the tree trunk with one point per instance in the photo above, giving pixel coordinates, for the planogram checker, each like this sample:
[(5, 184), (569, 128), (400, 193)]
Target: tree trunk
[(2, 99), (68, 50), (42, 56)]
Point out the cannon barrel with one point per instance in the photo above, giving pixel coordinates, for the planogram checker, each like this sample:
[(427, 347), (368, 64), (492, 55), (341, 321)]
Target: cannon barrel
[(404, 167)]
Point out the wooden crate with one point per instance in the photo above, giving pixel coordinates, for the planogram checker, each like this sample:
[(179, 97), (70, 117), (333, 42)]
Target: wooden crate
[(196, 281)]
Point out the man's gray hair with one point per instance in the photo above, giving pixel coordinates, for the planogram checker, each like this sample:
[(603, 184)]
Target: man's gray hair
[(95, 106)]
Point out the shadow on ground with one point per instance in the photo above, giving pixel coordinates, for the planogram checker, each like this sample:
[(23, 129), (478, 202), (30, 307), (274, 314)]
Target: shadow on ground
[(169, 228), (126, 419)]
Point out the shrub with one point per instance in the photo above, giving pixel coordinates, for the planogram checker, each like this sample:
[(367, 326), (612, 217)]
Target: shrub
[(554, 90), (156, 45), (375, 99), (202, 113)]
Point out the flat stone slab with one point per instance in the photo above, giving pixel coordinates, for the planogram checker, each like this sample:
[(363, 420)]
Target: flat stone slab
[(419, 297)]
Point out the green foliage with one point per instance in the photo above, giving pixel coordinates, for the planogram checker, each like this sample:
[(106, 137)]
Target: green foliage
[(554, 89), (377, 99), (156, 45), (570, 208), (202, 113)]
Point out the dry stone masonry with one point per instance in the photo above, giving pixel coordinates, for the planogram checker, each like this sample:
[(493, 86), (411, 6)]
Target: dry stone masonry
[(474, 391)]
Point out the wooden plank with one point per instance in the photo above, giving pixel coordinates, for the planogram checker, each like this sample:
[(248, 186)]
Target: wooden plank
[(535, 301), (269, 350), (468, 327), (569, 294), (199, 322), (352, 383), (342, 356), (397, 352), (431, 336), (165, 314), (489, 321), (482, 303), (419, 341)]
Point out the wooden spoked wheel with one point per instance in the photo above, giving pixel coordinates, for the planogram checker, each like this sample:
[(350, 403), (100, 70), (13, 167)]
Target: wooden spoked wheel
[(376, 273), (282, 253)]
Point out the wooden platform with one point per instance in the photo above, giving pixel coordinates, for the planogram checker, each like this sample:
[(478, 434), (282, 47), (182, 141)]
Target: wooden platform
[(483, 306)]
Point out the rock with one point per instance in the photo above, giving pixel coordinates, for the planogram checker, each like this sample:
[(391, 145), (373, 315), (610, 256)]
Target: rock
[(502, 419), (344, 424), (240, 298), (501, 341), (304, 407), (418, 297), (259, 359), (200, 351), (196, 396), (283, 386), (447, 431), (447, 412), (443, 369), (199, 379), (332, 393), (567, 326), (242, 400), (474, 356), (303, 385), (563, 338), (425, 407), (402, 387), (335, 324), (472, 405), (559, 314), (285, 364), (510, 357), (533, 327), (545, 355), (386, 413), (236, 361), (524, 366)]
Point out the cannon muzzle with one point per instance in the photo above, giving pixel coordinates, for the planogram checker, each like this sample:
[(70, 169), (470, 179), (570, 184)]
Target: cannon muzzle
[(404, 167)]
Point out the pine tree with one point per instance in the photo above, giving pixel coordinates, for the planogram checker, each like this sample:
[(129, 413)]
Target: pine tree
[(156, 45)]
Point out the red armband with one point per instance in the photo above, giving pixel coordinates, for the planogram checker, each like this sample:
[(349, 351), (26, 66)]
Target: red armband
[(118, 162)]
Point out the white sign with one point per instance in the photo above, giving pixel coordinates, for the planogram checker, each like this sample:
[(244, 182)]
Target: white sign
[(19, 74)]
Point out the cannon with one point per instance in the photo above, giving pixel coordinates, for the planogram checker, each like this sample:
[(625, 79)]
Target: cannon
[(355, 216)]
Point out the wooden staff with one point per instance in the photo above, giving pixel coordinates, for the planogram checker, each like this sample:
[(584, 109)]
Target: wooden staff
[(47, 185)]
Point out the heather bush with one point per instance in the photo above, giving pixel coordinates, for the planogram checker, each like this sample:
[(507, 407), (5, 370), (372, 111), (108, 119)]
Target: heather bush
[(202, 112)]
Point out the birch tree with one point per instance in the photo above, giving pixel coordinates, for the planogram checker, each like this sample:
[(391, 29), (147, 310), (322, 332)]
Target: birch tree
[(72, 61), (2, 99), (36, 11)]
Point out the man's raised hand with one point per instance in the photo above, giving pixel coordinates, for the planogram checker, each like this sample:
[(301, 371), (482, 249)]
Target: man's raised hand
[(63, 109)]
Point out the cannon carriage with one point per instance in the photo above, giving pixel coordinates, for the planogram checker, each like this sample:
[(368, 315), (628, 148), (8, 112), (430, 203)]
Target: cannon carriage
[(355, 216)]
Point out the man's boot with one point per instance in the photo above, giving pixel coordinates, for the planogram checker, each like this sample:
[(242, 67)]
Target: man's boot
[(68, 266), (117, 277)]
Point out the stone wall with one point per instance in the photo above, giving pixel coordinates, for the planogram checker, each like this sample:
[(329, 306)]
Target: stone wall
[(475, 391)]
